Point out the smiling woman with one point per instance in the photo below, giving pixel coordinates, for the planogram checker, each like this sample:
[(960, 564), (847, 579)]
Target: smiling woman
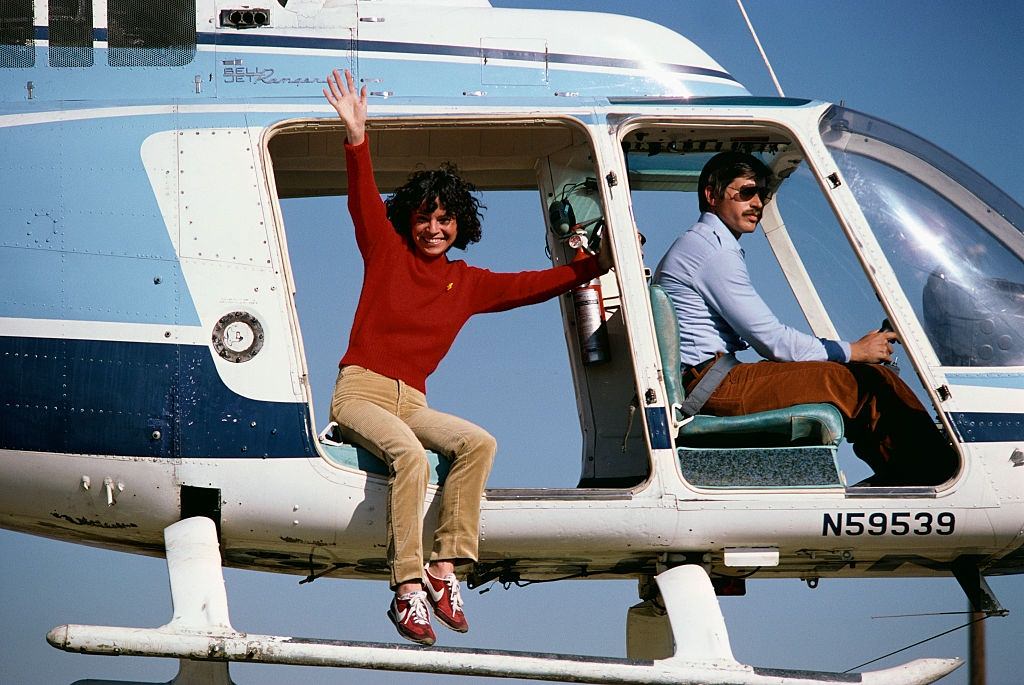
[(413, 303)]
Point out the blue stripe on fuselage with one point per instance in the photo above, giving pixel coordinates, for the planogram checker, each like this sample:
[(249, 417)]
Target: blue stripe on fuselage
[(988, 426), (136, 399), (476, 52), (291, 66), (251, 39)]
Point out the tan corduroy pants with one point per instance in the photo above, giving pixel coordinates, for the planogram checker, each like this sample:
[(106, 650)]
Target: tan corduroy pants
[(392, 420)]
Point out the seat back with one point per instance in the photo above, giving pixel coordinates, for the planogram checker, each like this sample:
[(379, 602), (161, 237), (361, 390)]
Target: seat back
[(666, 328)]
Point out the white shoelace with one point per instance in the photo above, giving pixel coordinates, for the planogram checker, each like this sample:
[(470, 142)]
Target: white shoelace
[(417, 607), (456, 593)]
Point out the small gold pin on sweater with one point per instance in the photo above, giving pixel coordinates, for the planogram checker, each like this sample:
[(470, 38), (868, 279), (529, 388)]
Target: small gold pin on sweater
[(450, 286)]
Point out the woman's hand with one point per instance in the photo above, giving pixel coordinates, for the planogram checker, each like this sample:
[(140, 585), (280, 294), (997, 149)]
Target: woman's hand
[(873, 348), (350, 105)]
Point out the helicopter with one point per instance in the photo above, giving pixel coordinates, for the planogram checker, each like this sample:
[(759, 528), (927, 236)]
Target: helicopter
[(620, 459)]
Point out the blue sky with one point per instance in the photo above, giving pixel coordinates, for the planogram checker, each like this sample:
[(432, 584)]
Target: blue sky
[(949, 71)]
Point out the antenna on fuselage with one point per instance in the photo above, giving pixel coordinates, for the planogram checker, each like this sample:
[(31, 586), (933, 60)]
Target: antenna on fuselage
[(760, 49)]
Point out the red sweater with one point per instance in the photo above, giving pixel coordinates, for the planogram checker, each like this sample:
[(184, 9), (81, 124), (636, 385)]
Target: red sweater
[(411, 307)]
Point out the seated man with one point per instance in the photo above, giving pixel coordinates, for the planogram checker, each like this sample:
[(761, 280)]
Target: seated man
[(720, 312)]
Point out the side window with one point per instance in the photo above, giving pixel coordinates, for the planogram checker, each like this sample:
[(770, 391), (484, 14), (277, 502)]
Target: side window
[(17, 34), (141, 33), (71, 33)]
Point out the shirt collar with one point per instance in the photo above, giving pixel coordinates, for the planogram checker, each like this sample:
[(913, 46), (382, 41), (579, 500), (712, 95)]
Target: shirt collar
[(725, 237)]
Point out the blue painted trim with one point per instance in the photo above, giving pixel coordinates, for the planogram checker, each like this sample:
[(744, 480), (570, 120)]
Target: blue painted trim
[(1009, 381), (136, 399), (253, 39), (988, 426), (715, 100), (657, 424), (247, 39)]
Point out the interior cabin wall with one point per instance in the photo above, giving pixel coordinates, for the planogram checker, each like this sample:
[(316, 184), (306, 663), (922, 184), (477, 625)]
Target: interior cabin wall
[(614, 451)]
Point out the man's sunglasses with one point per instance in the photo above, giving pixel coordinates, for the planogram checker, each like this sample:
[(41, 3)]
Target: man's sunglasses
[(747, 193)]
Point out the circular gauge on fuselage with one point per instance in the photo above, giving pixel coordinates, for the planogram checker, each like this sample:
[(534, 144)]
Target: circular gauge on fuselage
[(238, 337)]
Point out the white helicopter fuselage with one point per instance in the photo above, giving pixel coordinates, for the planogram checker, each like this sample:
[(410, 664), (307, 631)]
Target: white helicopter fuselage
[(151, 350)]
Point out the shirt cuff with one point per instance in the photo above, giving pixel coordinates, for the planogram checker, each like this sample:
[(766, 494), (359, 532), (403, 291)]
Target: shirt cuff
[(836, 351), (350, 146)]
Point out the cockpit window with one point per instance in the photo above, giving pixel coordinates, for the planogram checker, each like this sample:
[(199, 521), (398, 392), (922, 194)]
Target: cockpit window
[(953, 240)]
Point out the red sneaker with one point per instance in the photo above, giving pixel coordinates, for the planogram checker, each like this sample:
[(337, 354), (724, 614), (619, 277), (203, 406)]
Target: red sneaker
[(446, 599), (409, 614)]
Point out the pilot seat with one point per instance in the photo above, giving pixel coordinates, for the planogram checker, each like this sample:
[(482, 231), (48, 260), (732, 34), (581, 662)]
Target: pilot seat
[(791, 447)]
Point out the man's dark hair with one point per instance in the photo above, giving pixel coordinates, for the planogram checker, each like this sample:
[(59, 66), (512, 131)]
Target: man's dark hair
[(724, 168), (423, 191)]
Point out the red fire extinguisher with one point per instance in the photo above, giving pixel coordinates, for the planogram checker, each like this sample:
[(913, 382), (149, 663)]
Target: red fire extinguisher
[(591, 328)]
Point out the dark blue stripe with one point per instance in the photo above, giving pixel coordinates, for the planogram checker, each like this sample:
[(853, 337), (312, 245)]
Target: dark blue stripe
[(136, 399), (657, 424), (723, 100), (251, 38), (245, 39), (988, 426)]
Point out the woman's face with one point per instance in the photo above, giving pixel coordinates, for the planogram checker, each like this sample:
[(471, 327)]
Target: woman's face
[(433, 232)]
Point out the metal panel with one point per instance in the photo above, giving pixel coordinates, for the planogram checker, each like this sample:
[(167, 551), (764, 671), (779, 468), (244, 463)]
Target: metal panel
[(222, 215)]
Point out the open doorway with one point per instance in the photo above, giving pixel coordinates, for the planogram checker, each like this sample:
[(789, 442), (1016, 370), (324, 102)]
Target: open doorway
[(518, 374)]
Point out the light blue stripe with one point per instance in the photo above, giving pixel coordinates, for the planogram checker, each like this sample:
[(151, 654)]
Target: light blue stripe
[(1008, 381), (285, 74)]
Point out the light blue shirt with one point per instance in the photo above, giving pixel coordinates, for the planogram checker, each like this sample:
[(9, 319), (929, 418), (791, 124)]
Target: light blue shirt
[(705, 276)]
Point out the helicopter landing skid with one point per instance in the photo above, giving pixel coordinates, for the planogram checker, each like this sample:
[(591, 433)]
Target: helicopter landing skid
[(200, 631)]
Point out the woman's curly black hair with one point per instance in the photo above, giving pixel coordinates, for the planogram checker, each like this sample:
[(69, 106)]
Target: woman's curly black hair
[(424, 189)]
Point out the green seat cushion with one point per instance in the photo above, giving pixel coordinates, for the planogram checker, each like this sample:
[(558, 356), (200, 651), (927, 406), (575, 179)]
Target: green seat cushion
[(802, 424)]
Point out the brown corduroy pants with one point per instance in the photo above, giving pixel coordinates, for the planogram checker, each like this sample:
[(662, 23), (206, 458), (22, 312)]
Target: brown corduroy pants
[(889, 428)]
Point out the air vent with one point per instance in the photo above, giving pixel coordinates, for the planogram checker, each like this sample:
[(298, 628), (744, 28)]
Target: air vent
[(244, 18)]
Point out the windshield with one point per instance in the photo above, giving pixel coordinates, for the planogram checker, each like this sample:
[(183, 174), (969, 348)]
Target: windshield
[(953, 239)]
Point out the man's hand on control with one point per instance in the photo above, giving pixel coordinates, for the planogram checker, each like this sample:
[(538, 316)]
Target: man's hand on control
[(874, 347)]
